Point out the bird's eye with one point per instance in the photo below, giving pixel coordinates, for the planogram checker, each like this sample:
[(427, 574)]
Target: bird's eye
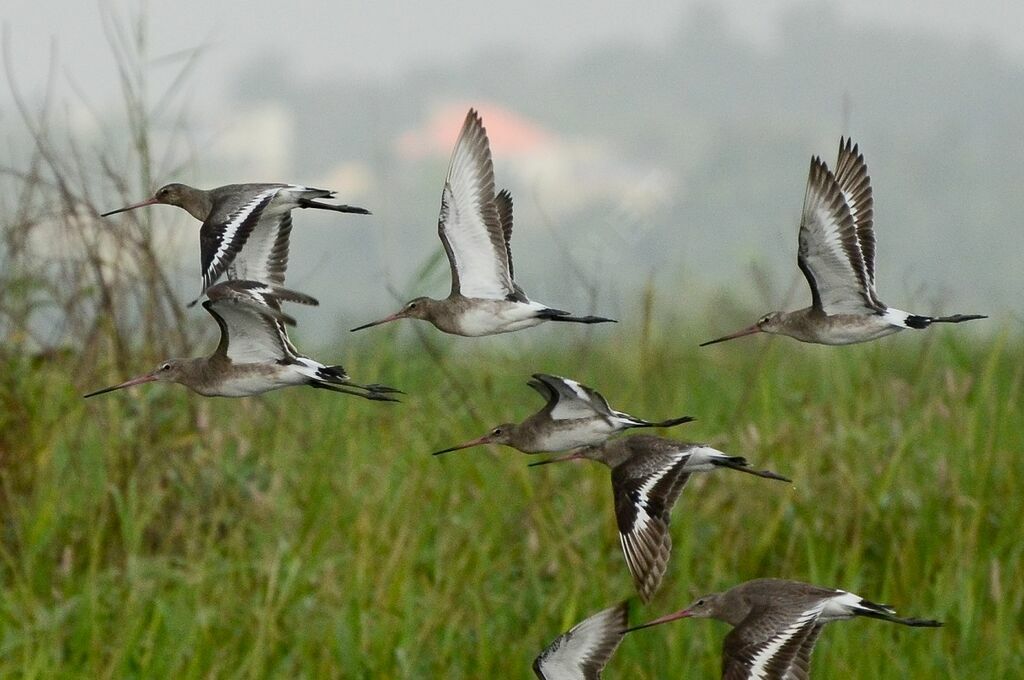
[(412, 305), (700, 603), (497, 431), (165, 367)]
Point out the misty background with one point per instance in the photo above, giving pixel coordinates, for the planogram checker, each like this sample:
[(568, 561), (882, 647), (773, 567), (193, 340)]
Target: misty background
[(651, 143)]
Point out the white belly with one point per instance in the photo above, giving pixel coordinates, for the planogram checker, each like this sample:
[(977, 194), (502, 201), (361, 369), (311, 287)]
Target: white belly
[(491, 317), (573, 434), (250, 383), (872, 328)]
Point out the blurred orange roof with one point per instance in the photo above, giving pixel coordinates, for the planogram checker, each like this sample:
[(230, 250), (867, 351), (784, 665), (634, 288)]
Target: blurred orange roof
[(510, 133)]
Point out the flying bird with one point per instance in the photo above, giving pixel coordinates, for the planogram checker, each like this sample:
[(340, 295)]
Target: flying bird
[(648, 474), (575, 415), (255, 354), (245, 228), (475, 227), (775, 624), (584, 651), (837, 257)]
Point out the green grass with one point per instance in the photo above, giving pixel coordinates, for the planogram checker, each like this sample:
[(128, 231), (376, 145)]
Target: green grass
[(306, 535)]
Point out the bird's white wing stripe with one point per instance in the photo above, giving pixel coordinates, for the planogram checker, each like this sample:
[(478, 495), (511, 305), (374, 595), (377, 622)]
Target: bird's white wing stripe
[(231, 227), (759, 662), (642, 516), (573, 406), (577, 389)]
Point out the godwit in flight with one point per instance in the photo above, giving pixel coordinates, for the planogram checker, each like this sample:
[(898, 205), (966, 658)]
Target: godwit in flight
[(837, 256), (245, 226), (254, 354), (575, 415), (648, 474), (775, 624), (475, 227)]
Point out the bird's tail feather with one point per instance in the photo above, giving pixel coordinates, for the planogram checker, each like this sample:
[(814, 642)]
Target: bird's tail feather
[(559, 315), (739, 463), (336, 379), (671, 422), (886, 613), (309, 203), (917, 321)]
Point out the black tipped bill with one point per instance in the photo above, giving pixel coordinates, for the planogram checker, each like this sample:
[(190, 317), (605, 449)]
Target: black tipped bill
[(133, 206), (738, 334)]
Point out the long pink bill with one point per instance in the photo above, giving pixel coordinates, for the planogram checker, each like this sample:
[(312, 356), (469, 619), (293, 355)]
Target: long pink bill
[(738, 334), (133, 206), (664, 619), (387, 319), (149, 377), (486, 439), (575, 455)]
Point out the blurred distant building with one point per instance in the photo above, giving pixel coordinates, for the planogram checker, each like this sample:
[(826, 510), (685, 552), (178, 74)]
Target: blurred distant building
[(562, 174)]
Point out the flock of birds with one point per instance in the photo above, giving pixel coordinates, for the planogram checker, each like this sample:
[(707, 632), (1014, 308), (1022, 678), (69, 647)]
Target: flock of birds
[(775, 623)]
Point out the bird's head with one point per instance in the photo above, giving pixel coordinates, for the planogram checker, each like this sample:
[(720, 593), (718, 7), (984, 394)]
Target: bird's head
[(170, 370), (180, 195), (502, 434), (702, 608), (769, 323), (417, 308)]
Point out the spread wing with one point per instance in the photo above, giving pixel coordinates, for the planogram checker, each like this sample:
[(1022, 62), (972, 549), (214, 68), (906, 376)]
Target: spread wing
[(800, 669), (227, 230), (767, 644), (252, 326), (583, 652), (568, 399), (645, 489), (855, 183), (829, 254), (503, 204), (469, 225)]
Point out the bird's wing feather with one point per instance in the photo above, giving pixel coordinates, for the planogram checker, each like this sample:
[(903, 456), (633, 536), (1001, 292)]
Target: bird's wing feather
[(583, 652), (265, 255), (855, 183), (227, 230), (829, 252), (800, 668), (251, 322), (645, 489), (469, 225), (765, 644), (568, 399)]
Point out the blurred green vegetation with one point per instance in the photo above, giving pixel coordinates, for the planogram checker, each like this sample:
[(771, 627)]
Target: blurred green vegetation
[(155, 533)]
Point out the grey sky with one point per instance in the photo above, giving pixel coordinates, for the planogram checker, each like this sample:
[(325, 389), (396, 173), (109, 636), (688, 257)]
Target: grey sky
[(372, 39)]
